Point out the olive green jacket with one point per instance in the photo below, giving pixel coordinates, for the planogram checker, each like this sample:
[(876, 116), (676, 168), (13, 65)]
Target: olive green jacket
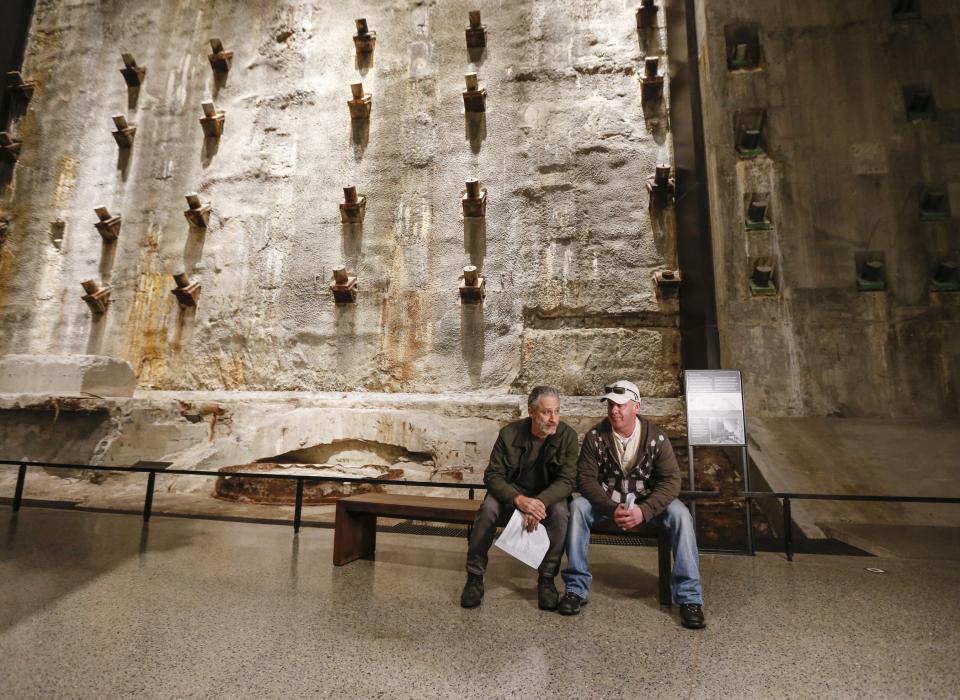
[(559, 462)]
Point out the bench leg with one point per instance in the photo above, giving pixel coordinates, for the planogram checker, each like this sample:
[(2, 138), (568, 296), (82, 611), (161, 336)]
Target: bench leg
[(664, 566), (354, 536)]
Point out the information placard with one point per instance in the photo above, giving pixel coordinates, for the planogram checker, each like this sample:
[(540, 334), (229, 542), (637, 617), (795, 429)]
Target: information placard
[(715, 407)]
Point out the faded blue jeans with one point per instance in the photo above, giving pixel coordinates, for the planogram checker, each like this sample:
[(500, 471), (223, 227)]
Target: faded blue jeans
[(685, 577)]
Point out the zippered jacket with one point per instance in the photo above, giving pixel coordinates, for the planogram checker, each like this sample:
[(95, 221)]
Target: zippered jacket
[(559, 462)]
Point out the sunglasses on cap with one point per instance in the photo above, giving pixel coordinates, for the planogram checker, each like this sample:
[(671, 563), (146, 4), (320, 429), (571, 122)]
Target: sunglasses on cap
[(620, 390)]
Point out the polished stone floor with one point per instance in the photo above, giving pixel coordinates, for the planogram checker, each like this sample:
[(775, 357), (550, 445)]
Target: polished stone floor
[(95, 606)]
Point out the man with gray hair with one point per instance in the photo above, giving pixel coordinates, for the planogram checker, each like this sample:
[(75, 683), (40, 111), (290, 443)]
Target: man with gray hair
[(532, 469)]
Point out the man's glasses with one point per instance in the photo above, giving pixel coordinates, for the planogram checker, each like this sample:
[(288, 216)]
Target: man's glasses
[(620, 390)]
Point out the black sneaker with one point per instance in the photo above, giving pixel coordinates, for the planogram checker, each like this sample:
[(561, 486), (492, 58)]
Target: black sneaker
[(691, 616), (571, 603), (472, 591), (547, 595)]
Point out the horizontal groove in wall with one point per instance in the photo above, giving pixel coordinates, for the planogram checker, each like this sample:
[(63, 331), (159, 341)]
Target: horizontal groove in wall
[(642, 319)]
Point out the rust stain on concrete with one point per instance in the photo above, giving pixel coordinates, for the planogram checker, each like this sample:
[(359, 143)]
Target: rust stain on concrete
[(146, 345), (6, 271), (232, 371), (402, 334), (66, 182)]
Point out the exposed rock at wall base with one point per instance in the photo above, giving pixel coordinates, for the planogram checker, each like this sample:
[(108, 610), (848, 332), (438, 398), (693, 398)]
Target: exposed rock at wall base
[(284, 491), (429, 437)]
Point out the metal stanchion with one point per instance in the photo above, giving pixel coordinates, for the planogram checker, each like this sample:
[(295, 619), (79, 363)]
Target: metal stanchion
[(18, 493), (298, 508), (693, 487), (148, 500), (787, 529), (747, 503)]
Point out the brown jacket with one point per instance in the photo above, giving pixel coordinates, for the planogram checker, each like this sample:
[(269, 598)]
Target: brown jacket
[(655, 479)]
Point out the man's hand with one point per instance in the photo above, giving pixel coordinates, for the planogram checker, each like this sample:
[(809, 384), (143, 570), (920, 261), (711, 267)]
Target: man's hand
[(628, 519), (530, 523), (530, 506)]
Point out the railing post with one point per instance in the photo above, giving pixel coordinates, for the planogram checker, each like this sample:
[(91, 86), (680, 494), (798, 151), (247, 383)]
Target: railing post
[(148, 500), (298, 507), (470, 527), (691, 465), (787, 529), (748, 502), (18, 492)]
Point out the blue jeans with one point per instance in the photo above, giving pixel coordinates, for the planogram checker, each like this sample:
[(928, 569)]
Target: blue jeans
[(685, 577)]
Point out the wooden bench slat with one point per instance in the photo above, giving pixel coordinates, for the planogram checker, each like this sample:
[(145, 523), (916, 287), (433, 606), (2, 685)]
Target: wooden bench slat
[(456, 510), (424, 501)]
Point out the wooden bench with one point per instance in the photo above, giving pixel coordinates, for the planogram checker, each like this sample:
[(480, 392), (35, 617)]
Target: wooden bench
[(355, 533)]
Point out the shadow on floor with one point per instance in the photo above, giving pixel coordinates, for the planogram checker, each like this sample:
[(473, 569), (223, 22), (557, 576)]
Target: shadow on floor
[(48, 554)]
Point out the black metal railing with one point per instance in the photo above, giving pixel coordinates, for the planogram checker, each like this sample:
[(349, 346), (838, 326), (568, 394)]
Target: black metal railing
[(152, 472), (787, 497), (301, 479)]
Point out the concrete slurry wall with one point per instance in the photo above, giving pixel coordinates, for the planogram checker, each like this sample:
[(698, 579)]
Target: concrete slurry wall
[(565, 147), (844, 169)]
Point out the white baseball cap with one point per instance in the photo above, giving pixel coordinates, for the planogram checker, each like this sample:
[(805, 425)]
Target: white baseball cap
[(620, 392)]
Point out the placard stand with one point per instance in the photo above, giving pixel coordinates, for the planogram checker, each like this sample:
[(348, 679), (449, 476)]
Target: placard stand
[(715, 418)]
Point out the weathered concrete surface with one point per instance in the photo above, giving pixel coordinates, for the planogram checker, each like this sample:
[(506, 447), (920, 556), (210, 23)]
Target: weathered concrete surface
[(563, 149), (66, 375), (843, 169), (585, 358), (864, 456)]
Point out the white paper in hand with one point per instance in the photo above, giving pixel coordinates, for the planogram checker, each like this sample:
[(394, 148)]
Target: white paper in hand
[(528, 547)]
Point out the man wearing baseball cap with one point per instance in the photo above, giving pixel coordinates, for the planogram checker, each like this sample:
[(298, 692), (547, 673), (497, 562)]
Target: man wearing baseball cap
[(627, 474)]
